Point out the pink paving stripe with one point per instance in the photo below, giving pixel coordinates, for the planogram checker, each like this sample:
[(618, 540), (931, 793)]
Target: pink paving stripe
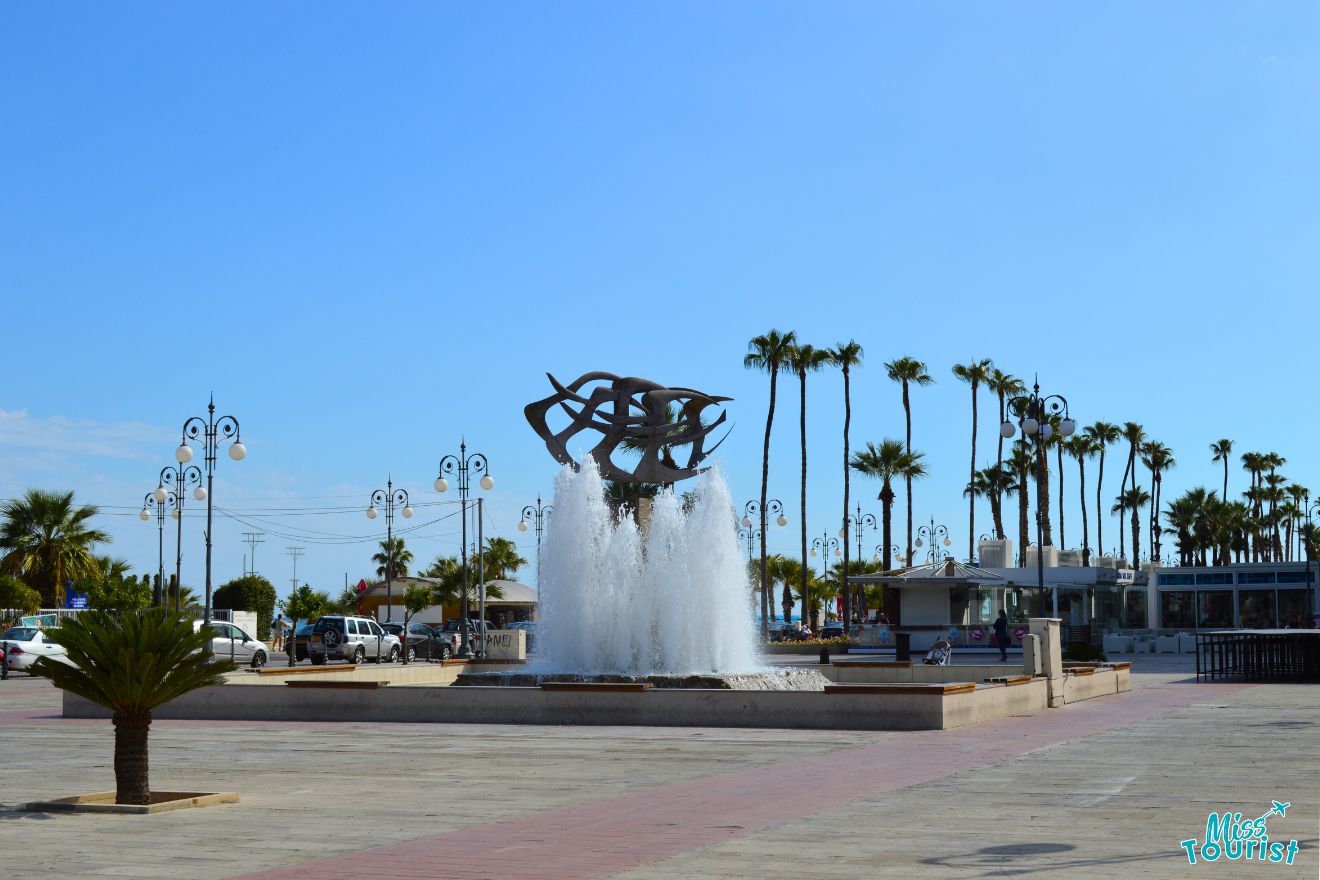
[(603, 837)]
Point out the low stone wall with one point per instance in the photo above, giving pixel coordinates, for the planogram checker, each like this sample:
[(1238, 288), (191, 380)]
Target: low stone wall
[(395, 673), (880, 671), (777, 648)]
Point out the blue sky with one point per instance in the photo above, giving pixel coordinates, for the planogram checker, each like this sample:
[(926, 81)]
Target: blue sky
[(370, 230)]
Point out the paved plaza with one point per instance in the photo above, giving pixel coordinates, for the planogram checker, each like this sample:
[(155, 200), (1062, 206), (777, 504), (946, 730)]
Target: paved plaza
[(1102, 788)]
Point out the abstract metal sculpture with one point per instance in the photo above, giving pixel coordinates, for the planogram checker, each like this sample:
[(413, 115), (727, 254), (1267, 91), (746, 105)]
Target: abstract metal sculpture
[(636, 414)]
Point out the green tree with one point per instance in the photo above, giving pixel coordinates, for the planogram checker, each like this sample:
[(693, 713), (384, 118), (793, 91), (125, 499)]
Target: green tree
[(18, 597), (303, 603), (1101, 435), (502, 559), (251, 592), (187, 599), (804, 359), (907, 371), (131, 665), (416, 599), (1082, 447), (394, 556), (845, 356), (768, 353), (974, 374), (1222, 450), (110, 586), (48, 540), (1133, 499), (887, 462)]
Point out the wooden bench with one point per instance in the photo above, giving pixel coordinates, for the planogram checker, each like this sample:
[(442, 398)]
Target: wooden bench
[(1009, 680), (342, 685), (931, 689), (885, 664), (626, 687), (305, 670), (1080, 670), (1122, 664)]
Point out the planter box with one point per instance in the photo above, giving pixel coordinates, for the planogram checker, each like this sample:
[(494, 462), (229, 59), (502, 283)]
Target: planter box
[(805, 650), (104, 802)]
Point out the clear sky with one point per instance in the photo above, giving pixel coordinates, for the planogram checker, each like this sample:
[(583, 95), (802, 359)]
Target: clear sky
[(371, 228)]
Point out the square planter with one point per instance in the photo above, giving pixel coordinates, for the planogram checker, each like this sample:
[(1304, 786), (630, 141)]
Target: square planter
[(104, 802)]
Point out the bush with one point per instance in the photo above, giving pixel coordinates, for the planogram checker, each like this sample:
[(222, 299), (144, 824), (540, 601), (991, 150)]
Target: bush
[(1082, 653), (814, 643), (17, 596), (251, 592)]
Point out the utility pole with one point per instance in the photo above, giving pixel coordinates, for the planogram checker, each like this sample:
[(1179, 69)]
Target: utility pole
[(295, 552), (252, 539)]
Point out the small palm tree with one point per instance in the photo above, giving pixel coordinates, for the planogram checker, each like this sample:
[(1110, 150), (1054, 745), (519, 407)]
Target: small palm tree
[(1082, 447), (48, 540), (1221, 450), (887, 462), (502, 559), (1133, 499), (1004, 386), (131, 666), (393, 559), (1021, 460), (769, 354), (907, 371), (973, 374)]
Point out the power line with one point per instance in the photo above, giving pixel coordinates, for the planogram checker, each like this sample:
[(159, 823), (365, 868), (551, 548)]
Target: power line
[(252, 539), (295, 552)]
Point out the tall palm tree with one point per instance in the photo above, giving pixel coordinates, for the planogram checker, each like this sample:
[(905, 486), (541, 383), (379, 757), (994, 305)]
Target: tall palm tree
[(393, 559), (887, 462), (1134, 434), (131, 665), (804, 359), (1021, 460), (1082, 447), (1005, 386), (973, 373), (1158, 458), (845, 356), (991, 482), (1133, 499), (48, 540), (907, 372), (769, 354), (1221, 450), (1101, 435), (502, 559)]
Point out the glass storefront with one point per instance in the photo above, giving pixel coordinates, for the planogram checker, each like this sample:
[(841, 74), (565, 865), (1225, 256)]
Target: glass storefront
[(1177, 609), (1109, 607), (1214, 608), (1256, 609), (1134, 607), (1292, 609)]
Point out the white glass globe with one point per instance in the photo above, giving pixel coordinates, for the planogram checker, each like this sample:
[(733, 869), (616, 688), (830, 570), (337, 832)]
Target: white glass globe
[(200, 493), (144, 515), (1030, 426), (813, 551), (1006, 429), (843, 533), (1046, 431), (160, 495), (875, 558), (371, 513), (407, 513), (948, 542), (183, 454), (836, 551), (441, 484), (174, 514), (237, 451), (783, 520), (747, 522), (919, 543), (1067, 427), (522, 526), (487, 482)]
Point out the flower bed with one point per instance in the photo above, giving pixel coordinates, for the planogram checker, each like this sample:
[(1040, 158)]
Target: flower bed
[(810, 646)]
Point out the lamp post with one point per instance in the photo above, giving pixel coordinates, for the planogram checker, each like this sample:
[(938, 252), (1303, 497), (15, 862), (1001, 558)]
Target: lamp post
[(462, 467), (753, 509), (387, 499), (933, 534), (823, 544), (162, 499), (751, 535), (894, 550), (538, 515), (180, 478), (1311, 510), (1034, 413), (210, 431), (859, 524)]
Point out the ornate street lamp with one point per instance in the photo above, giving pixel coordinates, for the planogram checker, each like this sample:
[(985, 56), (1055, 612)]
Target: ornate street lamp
[(859, 524), (773, 507), (180, 478), (210, 431), (538, 515), (1034, 414), (824, 544), (387, 499), (463, 466), (935, 535), (162, 499)]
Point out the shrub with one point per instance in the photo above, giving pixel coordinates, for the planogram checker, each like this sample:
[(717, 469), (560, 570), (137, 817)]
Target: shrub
[(251, 592), (17, 596)]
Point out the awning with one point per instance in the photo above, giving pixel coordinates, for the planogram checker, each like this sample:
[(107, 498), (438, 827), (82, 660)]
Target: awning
[(949, 573)]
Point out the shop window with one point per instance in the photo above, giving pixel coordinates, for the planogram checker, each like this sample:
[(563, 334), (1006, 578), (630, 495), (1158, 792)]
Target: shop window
[(1256, 609), (1214, 609), (1177, 609), (1258, 577), (1215, 577), (1292, 609), (1134, 608)]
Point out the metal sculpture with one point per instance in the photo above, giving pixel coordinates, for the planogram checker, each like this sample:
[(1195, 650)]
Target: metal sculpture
[(636, 414)]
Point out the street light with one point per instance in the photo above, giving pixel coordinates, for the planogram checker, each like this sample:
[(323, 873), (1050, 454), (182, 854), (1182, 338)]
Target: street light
[(894, 551), (389, 498), (162, 499), (180, 478), (463, 466), (1035, 414), (538, 515), (858, 523), (210, 431), (752, 509), (823, 544), (934, 534)]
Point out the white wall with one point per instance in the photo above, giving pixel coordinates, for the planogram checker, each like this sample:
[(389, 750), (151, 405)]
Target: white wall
[(925, 605)]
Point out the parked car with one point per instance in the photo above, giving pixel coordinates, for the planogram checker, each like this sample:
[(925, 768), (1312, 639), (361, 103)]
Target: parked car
[(299, 641), (24, 644), (424, 642), (230, 642), (527, 626), (832, 630), (338, 637), (456, 626), (784, 631)]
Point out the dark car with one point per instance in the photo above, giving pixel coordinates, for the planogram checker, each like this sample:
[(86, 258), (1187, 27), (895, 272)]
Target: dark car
[(299, 641), (832, 630), (424, 642)]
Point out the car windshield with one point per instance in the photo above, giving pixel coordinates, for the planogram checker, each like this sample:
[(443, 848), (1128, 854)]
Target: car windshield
[(392, 628), (20, 633), (328, 623)]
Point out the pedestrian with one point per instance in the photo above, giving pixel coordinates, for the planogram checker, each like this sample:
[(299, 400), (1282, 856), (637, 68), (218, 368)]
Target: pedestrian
[(277, 629), (1001, 635)]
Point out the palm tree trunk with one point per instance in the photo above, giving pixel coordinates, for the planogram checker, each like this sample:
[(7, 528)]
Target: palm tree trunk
[(999, 455), (131, 769), (1225, 496), (997, 514), (907, 416), (1086, 526), (847, 420), (887, 532), (1063, 542), (765, 482), (1099, 514), (1024, 498), (1043, 497), (1136, 537), (971, 498), (802, 376)]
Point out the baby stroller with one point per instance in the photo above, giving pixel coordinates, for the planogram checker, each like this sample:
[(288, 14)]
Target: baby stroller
[(940, 653)]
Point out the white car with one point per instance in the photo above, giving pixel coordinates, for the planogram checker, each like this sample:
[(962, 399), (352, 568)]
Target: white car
[(230, 642), (24, 644)]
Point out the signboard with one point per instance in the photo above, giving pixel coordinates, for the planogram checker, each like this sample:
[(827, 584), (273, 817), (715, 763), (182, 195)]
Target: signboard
[(40, 620), (75, 600), (1125, 576)]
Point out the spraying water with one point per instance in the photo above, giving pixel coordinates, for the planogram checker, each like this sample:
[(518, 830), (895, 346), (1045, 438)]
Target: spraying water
[(675, 603)]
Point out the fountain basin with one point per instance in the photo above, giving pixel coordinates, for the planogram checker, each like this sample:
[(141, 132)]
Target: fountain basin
[(763, 680)]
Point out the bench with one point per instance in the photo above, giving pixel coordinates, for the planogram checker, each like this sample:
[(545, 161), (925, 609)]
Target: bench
[(1009, 680), (613, 687), (1080, 670), (342, 685), (306, 670), (933, 689), (885, 664)]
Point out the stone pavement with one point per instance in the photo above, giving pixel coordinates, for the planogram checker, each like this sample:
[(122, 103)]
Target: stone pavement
[(1096, 789)]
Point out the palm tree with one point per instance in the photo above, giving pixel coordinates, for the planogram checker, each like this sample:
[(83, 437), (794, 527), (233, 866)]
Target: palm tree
[(48, 540), (502, 559), (991, 482), (1134, 434), (768, 353), (1101, 435), (845, 356), (1158, 458), (1005, 386), (1020, 462), (907, 372), (1042, 476), (393, 556), (888, 462), (1082, 447), (1221, 450), (1133, 499), (785, 570), (804, 359), (131, 665), (973, 374)]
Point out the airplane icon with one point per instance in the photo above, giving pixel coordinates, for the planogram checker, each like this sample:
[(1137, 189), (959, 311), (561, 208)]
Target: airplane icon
[(1278, 808)]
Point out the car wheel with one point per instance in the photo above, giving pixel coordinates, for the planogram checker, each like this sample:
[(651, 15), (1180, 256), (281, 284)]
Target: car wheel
[(318, 659), (394, 655), (446, 652), (412, 654), (258, 659), (359, 654)]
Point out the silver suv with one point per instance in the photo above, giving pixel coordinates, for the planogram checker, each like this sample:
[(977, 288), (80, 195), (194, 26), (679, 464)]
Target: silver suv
[(336, 637)]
